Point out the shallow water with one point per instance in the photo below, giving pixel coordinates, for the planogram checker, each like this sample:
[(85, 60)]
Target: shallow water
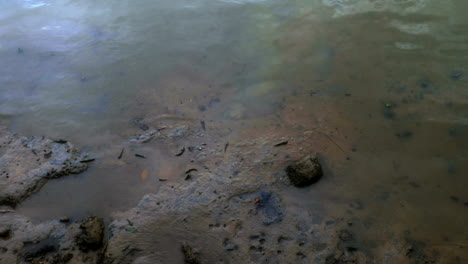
[(379, 87)]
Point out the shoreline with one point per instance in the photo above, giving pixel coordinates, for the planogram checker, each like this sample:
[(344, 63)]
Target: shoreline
[(224, 214)]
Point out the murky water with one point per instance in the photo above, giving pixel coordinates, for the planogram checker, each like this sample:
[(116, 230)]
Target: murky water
[(379, 87)]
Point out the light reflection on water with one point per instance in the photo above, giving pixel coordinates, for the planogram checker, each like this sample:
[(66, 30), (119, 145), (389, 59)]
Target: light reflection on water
[(387, 80)]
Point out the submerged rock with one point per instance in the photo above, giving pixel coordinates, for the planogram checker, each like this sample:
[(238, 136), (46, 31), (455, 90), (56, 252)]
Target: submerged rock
[(305, 171), (92, 234), (28, 162), (190, 256)]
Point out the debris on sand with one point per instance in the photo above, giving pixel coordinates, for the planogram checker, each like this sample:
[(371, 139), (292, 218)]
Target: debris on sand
[(143, 138), (305, 171)]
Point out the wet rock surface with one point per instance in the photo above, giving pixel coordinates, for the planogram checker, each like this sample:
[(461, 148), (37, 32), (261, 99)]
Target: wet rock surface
[(305, 172), (92, 234), (45, 242), (190, 256), (27, 163), (233, 210)]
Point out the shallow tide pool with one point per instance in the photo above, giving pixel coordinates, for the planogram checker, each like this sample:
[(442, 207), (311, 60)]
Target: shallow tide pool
[(379, 88)]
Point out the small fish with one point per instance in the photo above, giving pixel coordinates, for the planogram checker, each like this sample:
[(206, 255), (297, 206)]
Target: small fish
[(203, 124), (87, 160), (282, 143), (226, 146), (191, 170), (162, 180), (121, 154), (140, 156), (61, 141), (182, 150), (144, 175)]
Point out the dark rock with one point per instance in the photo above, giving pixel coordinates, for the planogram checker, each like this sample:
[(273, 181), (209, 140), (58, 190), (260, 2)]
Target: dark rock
[(92, 233), (190, 256), (305, 172)]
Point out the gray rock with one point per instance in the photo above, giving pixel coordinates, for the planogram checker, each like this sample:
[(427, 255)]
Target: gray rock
[(44, 242), (27, 163), (305, 171)]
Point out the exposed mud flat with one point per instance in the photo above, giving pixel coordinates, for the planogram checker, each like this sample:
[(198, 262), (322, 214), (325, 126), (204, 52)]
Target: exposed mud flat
[(225, 208), (26, 163), (55, 241)]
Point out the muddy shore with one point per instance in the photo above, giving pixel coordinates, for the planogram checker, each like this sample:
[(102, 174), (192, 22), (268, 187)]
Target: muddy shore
[(229, 206)]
